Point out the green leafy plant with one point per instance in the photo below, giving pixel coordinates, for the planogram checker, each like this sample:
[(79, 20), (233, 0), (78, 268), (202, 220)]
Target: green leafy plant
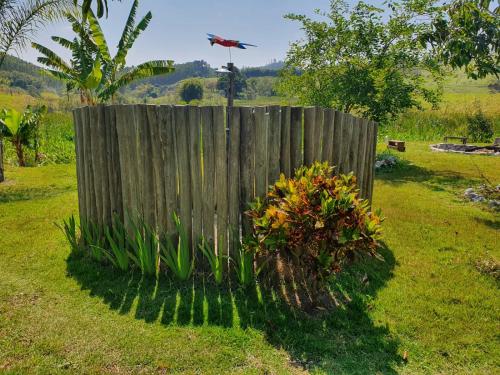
[(479, 127), (145, 247), (244, 266), (20, 20), (363, 58), (92, 72), (117, 239), (21, 129), (316, 221), (191, 89), (215, 258), (93, 239), (178, 258), (70, 230)]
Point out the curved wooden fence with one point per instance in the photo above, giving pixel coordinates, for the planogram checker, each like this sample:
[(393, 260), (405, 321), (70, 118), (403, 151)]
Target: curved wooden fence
[(154, 160)]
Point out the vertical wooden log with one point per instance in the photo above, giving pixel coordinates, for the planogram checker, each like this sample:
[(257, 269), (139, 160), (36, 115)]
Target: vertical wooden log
[(373, 153), (337, 140), (113, 161), (247, 165), (2, 175), (157, 164), (96, 164), (368, 158), (318, 133), (146, 165), (125, 136), (221, 195), (183, 170), (207, 129), (234, 181), (296, 139), (274, 144), (345, 166), (285, 161), (354, 150), (327, 139), (261, 142), (362, 167), (194, 126), (167, 138), (309, 135), (103, 165), (80, 174)]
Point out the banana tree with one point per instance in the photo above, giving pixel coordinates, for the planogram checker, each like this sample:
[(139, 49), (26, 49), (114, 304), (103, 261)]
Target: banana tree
[(20, 129), (92, 72)]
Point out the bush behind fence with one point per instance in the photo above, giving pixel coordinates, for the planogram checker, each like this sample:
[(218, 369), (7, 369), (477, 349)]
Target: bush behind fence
[(204, 163)]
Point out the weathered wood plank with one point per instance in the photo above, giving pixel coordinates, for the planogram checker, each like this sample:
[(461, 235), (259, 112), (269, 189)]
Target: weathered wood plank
[(102, 155), (309, 134), (96, 164), (337, 140), (368, 158), (194, 125), (207, 129), (80, 174), (374, 131), (354, 150), (261, 142), (296, 139), (327, 138), (345, 166), (221, 191), (285, 161), (113, 161), (167, 145), (274, 144), (362, 156), (247, 164), (156, 162), (318, 133), (183, 170), (234, 180)]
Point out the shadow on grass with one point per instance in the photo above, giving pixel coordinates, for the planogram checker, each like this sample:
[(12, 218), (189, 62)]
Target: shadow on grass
[(434, 180), (15, 194), (343, 340)]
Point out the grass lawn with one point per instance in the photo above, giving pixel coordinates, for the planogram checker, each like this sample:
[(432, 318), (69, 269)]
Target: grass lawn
[(64, 315)]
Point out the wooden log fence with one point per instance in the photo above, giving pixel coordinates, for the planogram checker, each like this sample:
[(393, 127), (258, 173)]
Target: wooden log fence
[(152, 161)]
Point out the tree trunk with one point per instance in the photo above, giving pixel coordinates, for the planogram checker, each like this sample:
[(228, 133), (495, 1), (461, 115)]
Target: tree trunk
[(20, 154), (2, 177)]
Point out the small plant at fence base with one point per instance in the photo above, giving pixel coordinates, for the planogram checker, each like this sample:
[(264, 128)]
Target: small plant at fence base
[(215, 258), (316, 222), (178, 259)]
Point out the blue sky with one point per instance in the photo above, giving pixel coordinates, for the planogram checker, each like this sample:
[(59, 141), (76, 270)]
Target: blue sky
[(178, 29)]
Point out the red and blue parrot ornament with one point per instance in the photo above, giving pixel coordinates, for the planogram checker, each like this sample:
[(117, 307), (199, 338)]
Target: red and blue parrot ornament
[(214, 39)]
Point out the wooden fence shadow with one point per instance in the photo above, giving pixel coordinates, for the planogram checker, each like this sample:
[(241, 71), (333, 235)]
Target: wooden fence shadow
[(328, 341)]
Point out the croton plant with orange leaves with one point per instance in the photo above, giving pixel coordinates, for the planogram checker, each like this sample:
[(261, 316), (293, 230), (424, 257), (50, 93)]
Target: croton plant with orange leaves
[(317, 220)]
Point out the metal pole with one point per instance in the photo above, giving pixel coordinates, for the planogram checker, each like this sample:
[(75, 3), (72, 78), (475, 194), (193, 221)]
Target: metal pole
[(230, 95)]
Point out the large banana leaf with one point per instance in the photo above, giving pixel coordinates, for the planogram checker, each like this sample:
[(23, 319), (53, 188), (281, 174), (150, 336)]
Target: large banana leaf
[(11, 122)]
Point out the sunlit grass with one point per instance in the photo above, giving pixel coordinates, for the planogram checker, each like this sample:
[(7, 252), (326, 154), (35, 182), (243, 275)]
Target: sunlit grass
[(65, 315)]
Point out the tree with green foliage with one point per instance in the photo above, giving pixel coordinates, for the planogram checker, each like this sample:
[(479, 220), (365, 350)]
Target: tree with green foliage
[(363, 60), (466, 34), (191, 89), (19, 21), (92, 72), (21, 129), (240, 83)]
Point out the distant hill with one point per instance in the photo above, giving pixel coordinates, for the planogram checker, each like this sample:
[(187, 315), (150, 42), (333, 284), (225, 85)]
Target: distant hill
[(17, 73)]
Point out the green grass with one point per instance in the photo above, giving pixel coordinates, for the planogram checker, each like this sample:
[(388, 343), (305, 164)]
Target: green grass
[(59, 314)]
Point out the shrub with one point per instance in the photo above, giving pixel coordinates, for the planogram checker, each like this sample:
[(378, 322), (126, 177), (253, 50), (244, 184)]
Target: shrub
[(316, 222), (191, 89), (479, 127)]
